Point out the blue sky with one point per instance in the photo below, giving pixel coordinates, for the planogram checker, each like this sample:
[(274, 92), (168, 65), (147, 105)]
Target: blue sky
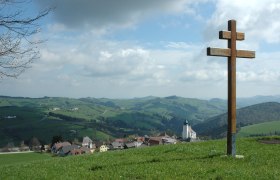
[(132, 48)]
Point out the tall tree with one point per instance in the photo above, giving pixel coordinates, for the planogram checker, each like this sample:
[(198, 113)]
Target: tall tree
[(18, 49)]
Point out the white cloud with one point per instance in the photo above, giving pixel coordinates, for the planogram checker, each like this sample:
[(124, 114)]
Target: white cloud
[(80, 64), (257, 18), (68, 80), (105, 54), (87, 57), (205, 75), (183, 45), (125, 69)]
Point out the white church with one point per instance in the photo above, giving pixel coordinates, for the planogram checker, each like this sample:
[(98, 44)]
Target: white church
[(188, 133)]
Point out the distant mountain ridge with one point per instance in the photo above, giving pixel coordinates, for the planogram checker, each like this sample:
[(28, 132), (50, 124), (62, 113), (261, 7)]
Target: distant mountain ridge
[(243, 102), (248, 101)]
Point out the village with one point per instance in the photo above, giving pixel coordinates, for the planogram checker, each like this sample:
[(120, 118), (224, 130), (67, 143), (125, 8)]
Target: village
[(88, 146)]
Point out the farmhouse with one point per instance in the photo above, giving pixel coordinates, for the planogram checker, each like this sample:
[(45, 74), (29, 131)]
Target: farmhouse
[(130, 145), (154, 141), (76, 152), (86, 150), (169, 140), (57, 146), (116, 145), (65, 150), (87, 142), (103, 148), (162, 138)]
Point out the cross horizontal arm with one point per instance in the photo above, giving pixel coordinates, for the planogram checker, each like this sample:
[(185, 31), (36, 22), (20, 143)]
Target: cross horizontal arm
[(218, 52), (245, 54), (227, 35), (227, 53)]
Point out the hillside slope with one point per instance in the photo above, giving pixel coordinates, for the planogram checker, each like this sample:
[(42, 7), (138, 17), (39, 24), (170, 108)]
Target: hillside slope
[(216, 127), (200, 160), (100, 119), (261, 129)]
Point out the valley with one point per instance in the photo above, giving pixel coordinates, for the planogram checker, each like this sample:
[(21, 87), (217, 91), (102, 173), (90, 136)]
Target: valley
[(105, 119)]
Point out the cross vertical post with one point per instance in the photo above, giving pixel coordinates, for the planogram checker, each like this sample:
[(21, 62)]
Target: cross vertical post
[(231, 53), (231, 147)]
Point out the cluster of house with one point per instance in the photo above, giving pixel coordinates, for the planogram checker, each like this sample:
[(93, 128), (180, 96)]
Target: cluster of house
[(65, 148), (140, 142), (87, 146)]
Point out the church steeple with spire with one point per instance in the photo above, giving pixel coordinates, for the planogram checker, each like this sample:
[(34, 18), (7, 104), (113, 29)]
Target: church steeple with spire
[(188, 133)]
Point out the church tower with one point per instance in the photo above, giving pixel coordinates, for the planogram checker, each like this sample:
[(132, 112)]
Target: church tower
[(185, 133), (188, 133)]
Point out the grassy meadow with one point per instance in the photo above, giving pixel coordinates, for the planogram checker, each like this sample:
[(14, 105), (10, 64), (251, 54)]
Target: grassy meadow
[(22, 158), (260, 129), (199, 160)]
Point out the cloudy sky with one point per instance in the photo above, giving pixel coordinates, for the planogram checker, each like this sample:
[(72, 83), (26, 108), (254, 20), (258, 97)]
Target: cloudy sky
[(133, 48)]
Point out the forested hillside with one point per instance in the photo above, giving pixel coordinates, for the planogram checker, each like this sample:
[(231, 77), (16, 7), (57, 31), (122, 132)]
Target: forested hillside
[(216, 127), (100, 119)]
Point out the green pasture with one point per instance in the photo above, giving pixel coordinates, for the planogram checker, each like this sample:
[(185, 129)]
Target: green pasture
[(198, 160), (22, 158), (267, 128)]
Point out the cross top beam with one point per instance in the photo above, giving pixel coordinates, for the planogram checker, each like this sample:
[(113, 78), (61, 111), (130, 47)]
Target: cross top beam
[(232, 36), (231, 53)]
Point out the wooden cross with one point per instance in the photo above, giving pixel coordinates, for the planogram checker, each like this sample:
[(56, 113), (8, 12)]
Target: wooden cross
[(231, 53)]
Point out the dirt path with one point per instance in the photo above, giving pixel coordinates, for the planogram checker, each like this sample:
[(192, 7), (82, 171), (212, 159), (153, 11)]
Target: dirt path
[(16, 152)]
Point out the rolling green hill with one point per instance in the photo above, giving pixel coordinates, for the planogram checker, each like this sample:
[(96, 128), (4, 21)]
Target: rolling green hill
[(200, 160), (216, 127), (100, 119), (261, 129), (103, 119)]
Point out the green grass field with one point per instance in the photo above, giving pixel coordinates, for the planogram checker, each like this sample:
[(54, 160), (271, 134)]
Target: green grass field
[(200, 160), (22, 158), (261, 128)]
